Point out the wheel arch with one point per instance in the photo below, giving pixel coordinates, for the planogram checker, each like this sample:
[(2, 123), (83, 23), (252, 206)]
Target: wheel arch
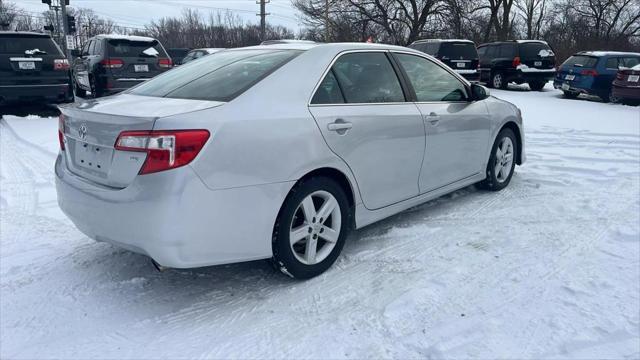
[(516, 130), (336, 175)]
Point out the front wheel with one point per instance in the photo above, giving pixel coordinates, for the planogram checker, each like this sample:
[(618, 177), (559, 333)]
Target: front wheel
[(501, 162), (311, 228)]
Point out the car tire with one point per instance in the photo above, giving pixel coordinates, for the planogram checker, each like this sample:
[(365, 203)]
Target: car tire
[(498, 81), (570, 94), (537, 85), (96, 88), (498, 165), (305, 245)]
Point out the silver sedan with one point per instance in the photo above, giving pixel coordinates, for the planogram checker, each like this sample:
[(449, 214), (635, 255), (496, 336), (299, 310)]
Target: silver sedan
[(277, 152)]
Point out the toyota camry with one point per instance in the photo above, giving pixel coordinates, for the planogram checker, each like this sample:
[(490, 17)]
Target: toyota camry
[(277, 152)]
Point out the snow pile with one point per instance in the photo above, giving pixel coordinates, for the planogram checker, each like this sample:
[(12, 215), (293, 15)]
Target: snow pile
[(547, 268)]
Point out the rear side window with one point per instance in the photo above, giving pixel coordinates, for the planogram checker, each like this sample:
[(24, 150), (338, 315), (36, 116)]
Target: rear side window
[(581, 61), (629, 62), (482, 51), (128, 48), (612, 63), (535, 50), (329, 91), (458, 51), (506, 51), (219, 77), (430, 81), (24, 45), (368, 78)]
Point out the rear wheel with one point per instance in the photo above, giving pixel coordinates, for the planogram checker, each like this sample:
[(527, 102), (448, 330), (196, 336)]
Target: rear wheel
[(96, 88), (570, 94), (536, 85), (498, 81), (501, 162), (311, 228)]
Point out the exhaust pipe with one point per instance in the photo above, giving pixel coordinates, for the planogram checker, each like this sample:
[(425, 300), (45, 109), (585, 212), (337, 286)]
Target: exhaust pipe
[(159, 267)]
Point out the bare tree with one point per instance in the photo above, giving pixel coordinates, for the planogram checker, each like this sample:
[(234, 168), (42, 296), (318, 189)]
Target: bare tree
[(533, 14)]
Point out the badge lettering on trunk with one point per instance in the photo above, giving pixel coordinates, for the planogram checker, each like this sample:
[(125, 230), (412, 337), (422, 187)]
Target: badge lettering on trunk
[(82, 131)]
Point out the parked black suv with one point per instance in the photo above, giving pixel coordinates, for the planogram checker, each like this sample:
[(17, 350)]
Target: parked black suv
[(519, 61), (33, 68), (460, 55), (108, 64)]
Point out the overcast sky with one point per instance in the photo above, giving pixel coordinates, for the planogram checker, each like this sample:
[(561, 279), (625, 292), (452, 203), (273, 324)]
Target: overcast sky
[(136, 13)]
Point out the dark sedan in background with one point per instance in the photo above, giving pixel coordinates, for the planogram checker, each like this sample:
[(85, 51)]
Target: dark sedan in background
[(33, 69)]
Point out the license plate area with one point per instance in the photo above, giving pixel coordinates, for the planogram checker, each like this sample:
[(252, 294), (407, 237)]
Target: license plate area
[(633, 78), (565, 87), (537, 63), (92, 157), (141, 68), (461, 65), (26, 65), (570, 77)]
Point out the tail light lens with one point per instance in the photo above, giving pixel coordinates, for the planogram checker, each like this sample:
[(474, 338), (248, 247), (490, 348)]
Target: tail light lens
[(620, 76), (516, 61), (60, 64), (166, 149), (112, 63), (61, 131), (589, 72), (165, 63)]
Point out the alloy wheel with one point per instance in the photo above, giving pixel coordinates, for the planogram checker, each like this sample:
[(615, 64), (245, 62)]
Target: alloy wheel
[(504, 160), (497, 81), (315, 227)]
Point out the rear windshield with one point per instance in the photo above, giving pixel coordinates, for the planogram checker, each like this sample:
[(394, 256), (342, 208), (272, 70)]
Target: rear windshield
[(581, 61), (427, 48), (23, 45), (218, 77), (535, 50), (458, 50), (128, 48)]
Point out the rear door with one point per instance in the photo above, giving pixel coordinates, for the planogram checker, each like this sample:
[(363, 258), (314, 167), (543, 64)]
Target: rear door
[(361, 111), (536, 55), (140, 59), (28, 59), (461, 55), (458, 130)]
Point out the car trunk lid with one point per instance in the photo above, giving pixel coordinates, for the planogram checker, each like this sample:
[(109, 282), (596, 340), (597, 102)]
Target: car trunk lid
[(92, 128)]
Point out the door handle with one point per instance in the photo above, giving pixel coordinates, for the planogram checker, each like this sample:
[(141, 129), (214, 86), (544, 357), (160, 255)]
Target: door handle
[(340, 126), (433, 118)]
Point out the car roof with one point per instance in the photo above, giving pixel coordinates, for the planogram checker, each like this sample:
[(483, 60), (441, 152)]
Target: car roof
[(286, 41), (514, 41), (24, 33), (209, 50), (337, 47), (606, 53), (421, 41), (125, 37)]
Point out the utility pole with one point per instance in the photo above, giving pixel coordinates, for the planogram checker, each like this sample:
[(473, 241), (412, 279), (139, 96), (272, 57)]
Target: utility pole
[(263, 14), (65, 28), (326, 21)]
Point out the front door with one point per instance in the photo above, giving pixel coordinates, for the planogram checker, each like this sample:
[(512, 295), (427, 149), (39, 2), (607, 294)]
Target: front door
[(458, 130), (361, 111)]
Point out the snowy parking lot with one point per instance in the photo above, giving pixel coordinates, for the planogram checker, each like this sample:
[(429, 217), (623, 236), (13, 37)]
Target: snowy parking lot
[(547, 268)]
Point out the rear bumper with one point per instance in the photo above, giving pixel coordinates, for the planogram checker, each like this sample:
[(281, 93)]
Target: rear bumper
[(54, 93), (173, 217), (471, 75), (626, 93), (574, 87), (520, 76)]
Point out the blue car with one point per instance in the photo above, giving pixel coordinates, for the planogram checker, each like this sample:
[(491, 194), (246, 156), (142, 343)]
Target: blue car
[(592, 72)]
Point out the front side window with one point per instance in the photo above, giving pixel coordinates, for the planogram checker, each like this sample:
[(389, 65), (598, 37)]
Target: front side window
[(367, 77), (430, 81), (219, 77)]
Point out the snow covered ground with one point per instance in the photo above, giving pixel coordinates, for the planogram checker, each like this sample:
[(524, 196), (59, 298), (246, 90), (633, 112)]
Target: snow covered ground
[(547, 268)]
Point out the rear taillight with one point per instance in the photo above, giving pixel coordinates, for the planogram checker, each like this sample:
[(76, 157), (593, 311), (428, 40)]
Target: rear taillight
[(620, 76), (589, 72), (516, 61), (112, 63), (166, 149), (60, 64), (165, 63), (61, 131)]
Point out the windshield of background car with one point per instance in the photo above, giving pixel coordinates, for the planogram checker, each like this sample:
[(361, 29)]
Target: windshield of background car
[(22, 45), (453, 50), (218, 77)]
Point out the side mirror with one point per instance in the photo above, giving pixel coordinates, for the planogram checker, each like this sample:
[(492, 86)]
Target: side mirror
[(75, 53), (479, 92)]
